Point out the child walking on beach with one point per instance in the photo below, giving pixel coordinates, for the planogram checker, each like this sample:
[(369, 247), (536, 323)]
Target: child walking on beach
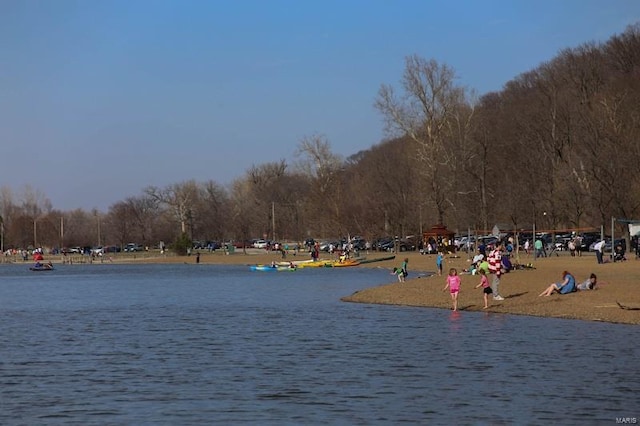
[(486, 288), (453, 283), (439, 259)]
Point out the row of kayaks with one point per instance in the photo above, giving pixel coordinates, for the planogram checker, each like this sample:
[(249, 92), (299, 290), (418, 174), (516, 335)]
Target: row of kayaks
[(293, 266)]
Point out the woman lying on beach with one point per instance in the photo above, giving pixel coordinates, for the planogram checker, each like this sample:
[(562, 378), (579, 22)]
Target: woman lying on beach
[(568, 285), (589, 284)]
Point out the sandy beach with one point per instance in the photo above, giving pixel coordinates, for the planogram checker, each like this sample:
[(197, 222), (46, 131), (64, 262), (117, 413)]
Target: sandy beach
[(619, 284)]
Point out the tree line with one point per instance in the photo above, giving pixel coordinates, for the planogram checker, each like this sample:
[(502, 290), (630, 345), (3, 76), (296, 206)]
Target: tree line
[(558, 148)]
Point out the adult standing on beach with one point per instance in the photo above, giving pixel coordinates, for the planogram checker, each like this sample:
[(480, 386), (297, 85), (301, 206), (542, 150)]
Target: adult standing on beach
[(598, 247), (495, 268), (578, 242), (537, 246)]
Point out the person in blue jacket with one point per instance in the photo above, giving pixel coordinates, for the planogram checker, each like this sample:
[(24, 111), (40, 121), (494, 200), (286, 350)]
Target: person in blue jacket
[(568, 285)]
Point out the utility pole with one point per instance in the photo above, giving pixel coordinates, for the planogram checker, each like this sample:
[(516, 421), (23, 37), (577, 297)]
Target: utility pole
[(273, 219)]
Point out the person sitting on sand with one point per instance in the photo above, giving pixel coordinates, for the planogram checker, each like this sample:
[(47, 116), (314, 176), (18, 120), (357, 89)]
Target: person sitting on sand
[(567, 285), (477, 258), (589, 283)]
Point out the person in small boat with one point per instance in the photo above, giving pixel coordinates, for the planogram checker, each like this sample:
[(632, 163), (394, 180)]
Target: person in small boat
[(273, 264), (38, 258)]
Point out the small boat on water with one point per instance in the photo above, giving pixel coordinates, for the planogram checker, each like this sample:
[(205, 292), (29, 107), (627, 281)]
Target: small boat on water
[(269, 268), (42, 268)]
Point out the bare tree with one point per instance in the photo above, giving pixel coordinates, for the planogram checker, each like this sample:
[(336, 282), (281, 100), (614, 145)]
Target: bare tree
[(212, 211), (179, 198), (323, 168), (423, 112)]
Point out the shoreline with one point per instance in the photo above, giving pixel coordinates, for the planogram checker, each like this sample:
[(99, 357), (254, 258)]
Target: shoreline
[(619, 283)]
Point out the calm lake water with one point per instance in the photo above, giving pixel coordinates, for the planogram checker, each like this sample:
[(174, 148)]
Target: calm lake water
[(203, 344)]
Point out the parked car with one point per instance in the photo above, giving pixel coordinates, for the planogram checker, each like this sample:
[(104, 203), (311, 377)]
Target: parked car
[(260, 244), (587, 240), (213, 245), (488, 241), (326, 245), (133, 247), (199, 245), (466, 242), (404, 244), (381, 244), (359, 243)]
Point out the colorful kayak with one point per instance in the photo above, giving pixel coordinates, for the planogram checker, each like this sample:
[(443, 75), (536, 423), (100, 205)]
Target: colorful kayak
[(330, 264), (344, 263), (269, 268), (296, 263)]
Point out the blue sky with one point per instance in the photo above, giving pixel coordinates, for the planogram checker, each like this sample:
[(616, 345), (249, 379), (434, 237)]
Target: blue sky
[(99, 99)]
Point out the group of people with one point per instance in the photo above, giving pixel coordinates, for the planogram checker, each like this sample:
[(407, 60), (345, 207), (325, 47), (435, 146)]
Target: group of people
[(492, 265), (484, 265), (568, 285)]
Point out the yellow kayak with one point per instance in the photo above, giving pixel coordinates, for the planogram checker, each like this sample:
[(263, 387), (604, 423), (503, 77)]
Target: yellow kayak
[(330, 264)]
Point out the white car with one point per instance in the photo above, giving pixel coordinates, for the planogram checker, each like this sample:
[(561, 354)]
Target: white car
[(260, 244)]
